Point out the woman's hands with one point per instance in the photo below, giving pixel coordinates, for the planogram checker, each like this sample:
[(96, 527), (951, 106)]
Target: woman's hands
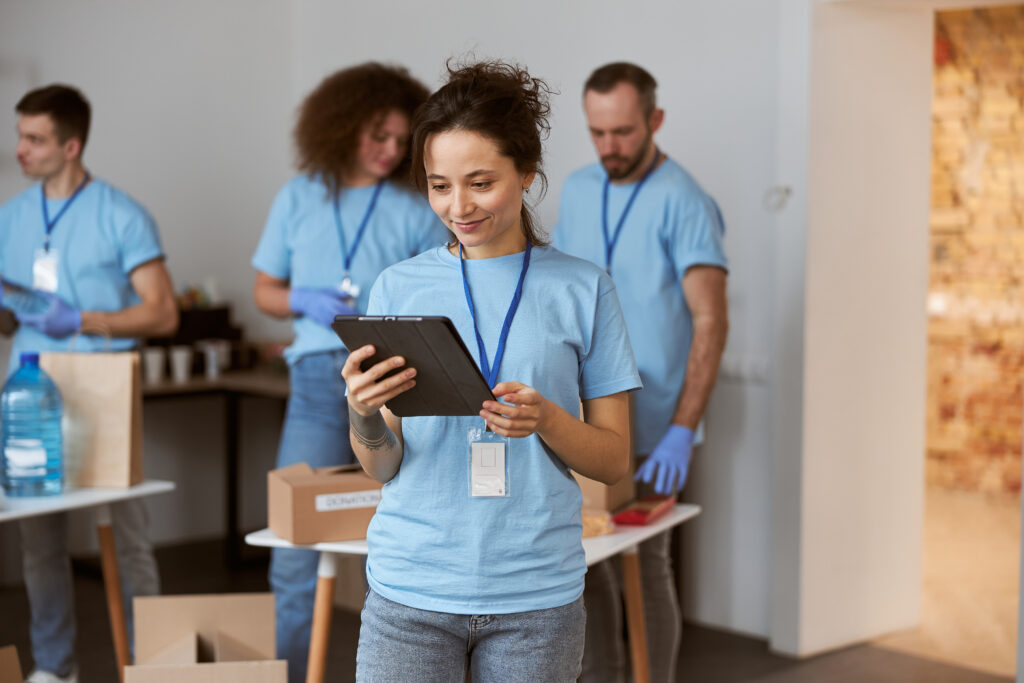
[(528, 413), (596, 446), (366, 391)]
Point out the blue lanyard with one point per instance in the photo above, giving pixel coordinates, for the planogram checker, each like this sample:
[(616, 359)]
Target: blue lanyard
[(46, 212), (347, 255), (609, 243), (491, 372)]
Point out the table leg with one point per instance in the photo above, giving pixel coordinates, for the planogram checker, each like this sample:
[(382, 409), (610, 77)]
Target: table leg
[(635, 624), (231, 428), (323, 606), (112, 583)]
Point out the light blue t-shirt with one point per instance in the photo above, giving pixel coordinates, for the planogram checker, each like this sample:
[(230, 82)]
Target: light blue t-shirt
[(100, 240), (672, 226), (432, 545), (300, 243)]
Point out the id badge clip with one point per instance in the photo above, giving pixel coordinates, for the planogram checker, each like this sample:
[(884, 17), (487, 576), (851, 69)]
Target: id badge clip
[(44, 270), (488, 464), (349, 288)]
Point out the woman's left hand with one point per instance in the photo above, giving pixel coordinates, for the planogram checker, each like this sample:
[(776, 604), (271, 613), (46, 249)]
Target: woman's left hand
[(525, 416)]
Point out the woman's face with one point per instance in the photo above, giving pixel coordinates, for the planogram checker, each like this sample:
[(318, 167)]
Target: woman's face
[(382, 145), (476, 191)]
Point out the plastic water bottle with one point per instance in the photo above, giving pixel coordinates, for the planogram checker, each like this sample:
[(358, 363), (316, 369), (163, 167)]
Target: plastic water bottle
[(31, 448)]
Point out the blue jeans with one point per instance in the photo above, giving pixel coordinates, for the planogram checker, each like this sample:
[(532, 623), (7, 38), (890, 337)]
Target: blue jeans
[(44, 542), (400, 643), (315, 432)]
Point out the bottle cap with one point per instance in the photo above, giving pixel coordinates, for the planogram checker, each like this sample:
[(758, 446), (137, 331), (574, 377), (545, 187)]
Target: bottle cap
[(29, 358)]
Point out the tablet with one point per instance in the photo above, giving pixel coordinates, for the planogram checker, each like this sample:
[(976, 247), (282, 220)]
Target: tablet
[(448, 381)]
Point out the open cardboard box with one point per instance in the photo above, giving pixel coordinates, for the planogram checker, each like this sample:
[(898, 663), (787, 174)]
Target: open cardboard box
[(307, 506), (205, 639), (10, 668)]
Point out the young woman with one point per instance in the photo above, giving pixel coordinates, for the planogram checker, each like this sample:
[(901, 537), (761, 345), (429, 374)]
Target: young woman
[(330, 232), (479, 565)]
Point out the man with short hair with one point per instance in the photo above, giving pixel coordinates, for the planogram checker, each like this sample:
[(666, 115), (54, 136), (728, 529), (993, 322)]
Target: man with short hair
[(94, 254), (641, 216)]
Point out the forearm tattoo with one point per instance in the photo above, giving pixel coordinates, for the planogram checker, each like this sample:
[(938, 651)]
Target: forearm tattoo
[(371, 432)]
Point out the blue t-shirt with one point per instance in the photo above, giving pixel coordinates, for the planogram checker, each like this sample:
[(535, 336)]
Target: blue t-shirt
[(301, 244), (432, 545), (100, 240), (672, 226)]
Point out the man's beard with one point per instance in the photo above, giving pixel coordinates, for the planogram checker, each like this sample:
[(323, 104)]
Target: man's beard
[(630, 166)]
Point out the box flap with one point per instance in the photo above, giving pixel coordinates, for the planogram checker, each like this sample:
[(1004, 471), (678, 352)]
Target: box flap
[(162, 621), (227, 648), (338, 469), (10, 667), (269, 671), (299, 470), (182, 651), (301, 474)]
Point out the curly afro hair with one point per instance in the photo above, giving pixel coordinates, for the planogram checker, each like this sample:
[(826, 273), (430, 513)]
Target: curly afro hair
[(335, 113)]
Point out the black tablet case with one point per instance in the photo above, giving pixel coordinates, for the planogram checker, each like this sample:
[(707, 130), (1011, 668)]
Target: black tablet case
[(448, 381)]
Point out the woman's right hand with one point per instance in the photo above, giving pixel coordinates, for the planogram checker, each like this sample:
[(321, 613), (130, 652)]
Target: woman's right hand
[(366, 391)]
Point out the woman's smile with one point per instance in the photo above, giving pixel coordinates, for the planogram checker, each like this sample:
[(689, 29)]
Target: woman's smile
[(477, 192)]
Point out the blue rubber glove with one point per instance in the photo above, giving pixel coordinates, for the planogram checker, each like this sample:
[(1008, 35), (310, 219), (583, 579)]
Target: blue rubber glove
[(320, 305), (670, 461), (58, 320)]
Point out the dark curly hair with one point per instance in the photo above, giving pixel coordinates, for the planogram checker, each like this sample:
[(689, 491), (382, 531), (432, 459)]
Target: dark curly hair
[(332, 117), (499, 101)]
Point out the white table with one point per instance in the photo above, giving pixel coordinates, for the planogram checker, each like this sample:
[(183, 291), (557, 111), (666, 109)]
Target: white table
[(76, 499), (623, 542)]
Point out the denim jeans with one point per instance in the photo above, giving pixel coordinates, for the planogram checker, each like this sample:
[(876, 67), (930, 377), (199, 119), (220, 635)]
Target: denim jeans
[(315, 432), (604, 658), (44, 542), (400, 643)]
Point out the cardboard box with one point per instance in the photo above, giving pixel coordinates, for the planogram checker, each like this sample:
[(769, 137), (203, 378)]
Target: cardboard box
[(307, 506), (10, 668), (598, 496), (205, 639)]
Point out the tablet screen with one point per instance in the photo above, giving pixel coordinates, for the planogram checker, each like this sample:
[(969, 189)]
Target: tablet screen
[(448, 380)]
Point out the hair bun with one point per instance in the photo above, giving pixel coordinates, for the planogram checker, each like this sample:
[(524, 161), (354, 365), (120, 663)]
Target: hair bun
[(498, 100)]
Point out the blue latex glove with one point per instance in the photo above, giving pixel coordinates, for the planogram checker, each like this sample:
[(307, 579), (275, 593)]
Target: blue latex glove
[(320, 305), (670, 461), (58, 320)]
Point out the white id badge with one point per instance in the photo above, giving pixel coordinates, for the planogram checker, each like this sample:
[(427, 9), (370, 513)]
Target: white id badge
[(44, 270), (488, 464)]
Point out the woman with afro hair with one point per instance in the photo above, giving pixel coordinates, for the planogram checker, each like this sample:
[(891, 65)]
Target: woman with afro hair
[(331, 230)]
